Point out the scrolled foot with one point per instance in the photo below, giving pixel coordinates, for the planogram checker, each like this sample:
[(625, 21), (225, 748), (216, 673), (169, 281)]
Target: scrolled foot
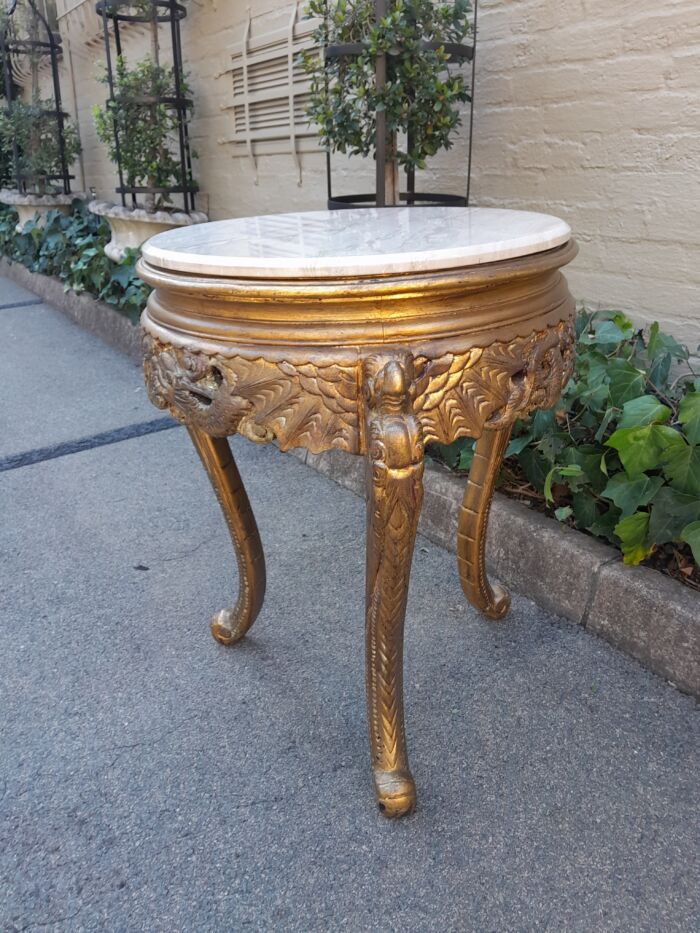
[(226, 627), (498, 604), (396, 792)]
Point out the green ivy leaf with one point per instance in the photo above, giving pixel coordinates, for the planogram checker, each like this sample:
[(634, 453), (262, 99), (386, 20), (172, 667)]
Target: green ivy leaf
[(660, 369), (551, 445), (594, 391), (122, 273), (604, 424), (682, 467), (626, 382), (613, 332), (466, 455), (587, 456), (646, 409), (644, 448), (604, 525), (671, 511), (660, 343), (562, 513), (450, 453), (543, 423), (689, 416), (534, 466), (585, 509), (518, 444), (632, 532), (691, 535), (629, 494), (559, 472)]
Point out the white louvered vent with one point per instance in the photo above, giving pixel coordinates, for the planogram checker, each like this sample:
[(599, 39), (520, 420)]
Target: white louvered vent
[(271, 91)]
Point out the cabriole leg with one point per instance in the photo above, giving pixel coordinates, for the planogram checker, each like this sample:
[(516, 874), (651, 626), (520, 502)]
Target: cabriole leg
[(394, 495), (230, 625), (493, 601)]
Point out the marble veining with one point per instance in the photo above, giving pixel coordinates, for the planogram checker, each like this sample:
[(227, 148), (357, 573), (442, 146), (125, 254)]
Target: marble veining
[(368, 241)]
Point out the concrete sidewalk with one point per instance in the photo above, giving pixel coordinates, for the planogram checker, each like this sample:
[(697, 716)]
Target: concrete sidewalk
[(152, 780)]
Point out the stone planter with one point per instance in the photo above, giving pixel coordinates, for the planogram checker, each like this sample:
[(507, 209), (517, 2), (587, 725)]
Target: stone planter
[(29, 206), (133, 226)]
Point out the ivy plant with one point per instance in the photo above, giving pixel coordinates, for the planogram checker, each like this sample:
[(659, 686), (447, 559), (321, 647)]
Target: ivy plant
[(71, 247), (34, 128), (619, 456), (147, 128), (424, 88)]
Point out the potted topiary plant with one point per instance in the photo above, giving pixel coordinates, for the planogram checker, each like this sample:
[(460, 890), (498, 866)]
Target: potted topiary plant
[(37, 140), (5, 150), (144, 126), (388, 84)]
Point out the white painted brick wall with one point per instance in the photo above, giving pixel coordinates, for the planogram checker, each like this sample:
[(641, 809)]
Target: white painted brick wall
[(589, 109)]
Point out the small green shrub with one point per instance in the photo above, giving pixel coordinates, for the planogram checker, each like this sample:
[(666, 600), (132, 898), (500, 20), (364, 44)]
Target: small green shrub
[(423, 88), (147, 129), (71, 247), (34, 128), (619, 456)]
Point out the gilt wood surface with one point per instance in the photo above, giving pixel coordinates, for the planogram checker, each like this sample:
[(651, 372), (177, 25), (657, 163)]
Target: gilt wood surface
[(377, 366)]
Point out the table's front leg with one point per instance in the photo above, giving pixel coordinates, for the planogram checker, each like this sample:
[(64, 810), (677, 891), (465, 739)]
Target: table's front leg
[(394, 496), (230, 625), (490, 599)]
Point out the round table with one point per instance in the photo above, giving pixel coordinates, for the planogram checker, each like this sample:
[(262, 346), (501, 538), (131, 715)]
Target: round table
[(374, 332)]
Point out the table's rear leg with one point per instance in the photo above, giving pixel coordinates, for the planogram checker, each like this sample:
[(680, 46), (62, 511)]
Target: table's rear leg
[(394, 495), (230, 625), (492, 600)]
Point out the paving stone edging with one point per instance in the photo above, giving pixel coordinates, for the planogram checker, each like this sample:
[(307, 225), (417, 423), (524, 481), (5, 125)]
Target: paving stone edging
[(640, 611)]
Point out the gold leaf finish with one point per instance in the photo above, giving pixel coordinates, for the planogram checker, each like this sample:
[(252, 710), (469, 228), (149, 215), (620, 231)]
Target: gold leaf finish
[(394, 496), (377, 367), (315, 403), (491, 599), (230, 625), (311, 405), (459, 395)]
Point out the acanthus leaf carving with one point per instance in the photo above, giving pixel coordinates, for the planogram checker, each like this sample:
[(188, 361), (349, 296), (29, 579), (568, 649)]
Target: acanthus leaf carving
[(316, 403), (460, 395), (308, 405)]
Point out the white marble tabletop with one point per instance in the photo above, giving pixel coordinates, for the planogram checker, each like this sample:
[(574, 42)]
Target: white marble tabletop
[(364, 242)]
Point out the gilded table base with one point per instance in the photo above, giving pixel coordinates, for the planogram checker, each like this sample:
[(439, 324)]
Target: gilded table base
[(438, 377)]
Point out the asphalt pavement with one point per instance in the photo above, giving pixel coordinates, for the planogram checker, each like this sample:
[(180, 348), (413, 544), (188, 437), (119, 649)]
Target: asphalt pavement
[(153, 780)]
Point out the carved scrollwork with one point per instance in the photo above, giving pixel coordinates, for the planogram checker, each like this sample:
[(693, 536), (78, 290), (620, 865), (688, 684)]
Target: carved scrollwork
[(312, 405), (460, 394), (315, 403)]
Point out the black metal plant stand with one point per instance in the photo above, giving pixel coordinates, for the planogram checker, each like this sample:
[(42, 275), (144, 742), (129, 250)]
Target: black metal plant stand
[(12, 44), (410, 196), (171, 12)]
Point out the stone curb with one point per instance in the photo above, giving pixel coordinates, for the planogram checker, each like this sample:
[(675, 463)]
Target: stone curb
[(92, 315), (640, 611)]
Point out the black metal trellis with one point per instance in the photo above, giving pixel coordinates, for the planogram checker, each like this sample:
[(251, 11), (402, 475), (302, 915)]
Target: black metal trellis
[(410, 196), (116, 12), (11, 45)]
